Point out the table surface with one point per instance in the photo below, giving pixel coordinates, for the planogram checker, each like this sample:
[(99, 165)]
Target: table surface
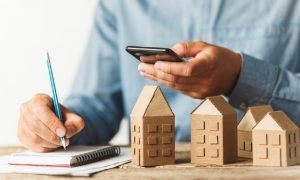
[(182, 169)]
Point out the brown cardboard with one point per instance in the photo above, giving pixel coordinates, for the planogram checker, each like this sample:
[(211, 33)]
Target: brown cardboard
[(213, 132), (252, 116), (152, 129), (276, 141)]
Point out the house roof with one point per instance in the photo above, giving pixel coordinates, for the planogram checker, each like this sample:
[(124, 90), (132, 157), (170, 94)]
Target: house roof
[(215, 105), (253, 116), (276, 120), (151, 102)]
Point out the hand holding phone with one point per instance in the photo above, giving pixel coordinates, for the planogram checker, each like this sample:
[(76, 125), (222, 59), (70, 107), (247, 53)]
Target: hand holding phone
[(152, 54)]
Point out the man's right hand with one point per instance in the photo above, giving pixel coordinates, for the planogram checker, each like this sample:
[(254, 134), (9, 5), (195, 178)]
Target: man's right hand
[(39, 129)]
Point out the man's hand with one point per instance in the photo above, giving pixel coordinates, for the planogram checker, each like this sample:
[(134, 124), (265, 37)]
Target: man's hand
[(39, 129), (212, 70)]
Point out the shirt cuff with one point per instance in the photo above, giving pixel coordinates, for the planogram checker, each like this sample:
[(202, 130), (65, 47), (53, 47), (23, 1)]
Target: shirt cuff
[(255, 84)]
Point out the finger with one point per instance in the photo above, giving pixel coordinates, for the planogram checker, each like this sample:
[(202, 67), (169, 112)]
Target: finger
[(47, 116), (149, 59), (193, 94), (73, 123), (33, 141), (200, 92), (147, 68), (157, 57), (173, 78), (150, 70), (38, 127), (181, 87), (189, 49), (149, 76), (185, 69), (42, 99), (194, 91)]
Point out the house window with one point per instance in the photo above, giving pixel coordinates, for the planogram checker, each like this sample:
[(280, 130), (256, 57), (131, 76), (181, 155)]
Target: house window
[(166, 152), (152, 140), (198, 137), (274, 139), (242, 145), (166, 128), (152, 153), (295, 140), (133, 151), (200, 152), (166, 140), (133, 139), (200, 125), (262, 153), (213, 139), (201, 139), (297, 151), (248, 146), (152, 128), (133, 128), (214, 153), (263, 139), (292, 152), (213, 125)]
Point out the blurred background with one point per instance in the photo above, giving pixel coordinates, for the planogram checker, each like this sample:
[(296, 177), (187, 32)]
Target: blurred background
[(28, 29)]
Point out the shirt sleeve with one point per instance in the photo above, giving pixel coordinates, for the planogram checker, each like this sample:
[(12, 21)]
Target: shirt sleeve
[(96, 93), (262, 83)]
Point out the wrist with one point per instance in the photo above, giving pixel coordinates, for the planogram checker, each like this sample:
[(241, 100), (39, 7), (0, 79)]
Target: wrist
[(255, 84), (237, 61)]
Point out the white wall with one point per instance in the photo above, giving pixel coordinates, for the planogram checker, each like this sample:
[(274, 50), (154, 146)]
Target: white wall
[(29, 28)]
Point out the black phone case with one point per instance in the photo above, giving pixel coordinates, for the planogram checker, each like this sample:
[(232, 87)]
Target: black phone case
[(138, 51)]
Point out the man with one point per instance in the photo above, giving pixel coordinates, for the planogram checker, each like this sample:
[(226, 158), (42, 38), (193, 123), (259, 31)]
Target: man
[(267, 34)]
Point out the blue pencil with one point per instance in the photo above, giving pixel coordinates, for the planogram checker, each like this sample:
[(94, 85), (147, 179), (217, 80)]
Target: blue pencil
[(55, 99)]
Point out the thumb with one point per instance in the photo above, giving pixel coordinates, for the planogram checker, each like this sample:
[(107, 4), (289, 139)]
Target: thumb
[(73, 122), (189, 49)]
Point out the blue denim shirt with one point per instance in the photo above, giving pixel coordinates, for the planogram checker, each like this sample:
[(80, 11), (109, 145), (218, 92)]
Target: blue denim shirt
[(107, 85)]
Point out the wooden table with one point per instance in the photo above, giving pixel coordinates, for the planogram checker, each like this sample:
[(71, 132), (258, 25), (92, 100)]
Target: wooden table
[(183, 170)]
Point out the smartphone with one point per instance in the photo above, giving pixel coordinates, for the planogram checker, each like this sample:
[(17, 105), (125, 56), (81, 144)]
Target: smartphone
[(152, 54)]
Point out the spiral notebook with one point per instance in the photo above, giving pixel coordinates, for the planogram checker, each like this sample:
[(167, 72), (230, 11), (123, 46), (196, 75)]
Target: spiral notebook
[(72, 157)]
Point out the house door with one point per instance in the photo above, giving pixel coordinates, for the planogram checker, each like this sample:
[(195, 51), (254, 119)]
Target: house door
[(136, 155), (275, 156), (139, 156)]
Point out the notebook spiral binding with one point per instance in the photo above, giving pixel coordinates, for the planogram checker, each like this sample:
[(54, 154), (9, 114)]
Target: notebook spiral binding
[(98, 155)]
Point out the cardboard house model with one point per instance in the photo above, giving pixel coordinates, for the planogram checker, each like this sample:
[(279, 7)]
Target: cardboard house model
[(250, 119), (276, 141), (214, 132), (152, 129)]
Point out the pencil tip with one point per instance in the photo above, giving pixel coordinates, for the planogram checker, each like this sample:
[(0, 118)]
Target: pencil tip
[(64, 145), (48, 56)]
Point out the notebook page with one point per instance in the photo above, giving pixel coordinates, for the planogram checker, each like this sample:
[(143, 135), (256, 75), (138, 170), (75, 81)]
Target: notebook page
[(59, 157), (84, 170)]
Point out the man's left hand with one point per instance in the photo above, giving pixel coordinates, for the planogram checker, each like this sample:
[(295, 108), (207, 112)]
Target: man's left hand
[(212, 70)]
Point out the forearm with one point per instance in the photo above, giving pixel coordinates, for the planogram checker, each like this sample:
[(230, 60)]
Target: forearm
[(263, 83), (101, 119)]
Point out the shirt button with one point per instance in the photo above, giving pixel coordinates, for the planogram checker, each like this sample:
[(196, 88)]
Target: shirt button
[(243, 105)]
